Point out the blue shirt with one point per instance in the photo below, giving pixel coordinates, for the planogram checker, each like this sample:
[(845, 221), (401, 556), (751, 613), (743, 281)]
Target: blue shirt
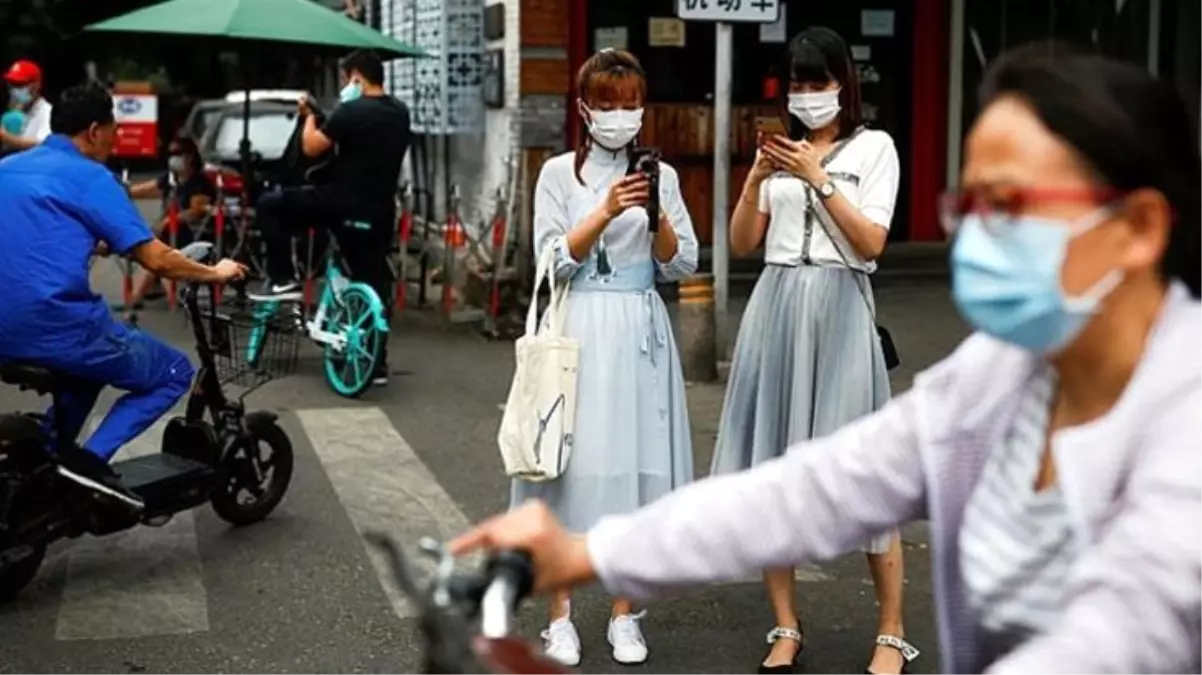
[(57, 205)]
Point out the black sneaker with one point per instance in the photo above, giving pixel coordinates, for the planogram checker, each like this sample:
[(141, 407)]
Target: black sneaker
[(278, 292), (380, 378), (93, 473)]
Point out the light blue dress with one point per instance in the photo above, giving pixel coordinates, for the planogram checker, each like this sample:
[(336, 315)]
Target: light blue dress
[(632, 440)]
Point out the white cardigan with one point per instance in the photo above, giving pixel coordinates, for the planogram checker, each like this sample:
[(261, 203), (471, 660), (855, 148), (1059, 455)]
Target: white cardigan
[(1132, 480)]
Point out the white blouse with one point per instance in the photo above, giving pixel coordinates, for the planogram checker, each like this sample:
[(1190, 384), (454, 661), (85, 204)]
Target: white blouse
[(561, 202), (866, 172)]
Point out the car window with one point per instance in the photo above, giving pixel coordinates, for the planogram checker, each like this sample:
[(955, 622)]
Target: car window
[(269, 134), (205, 120)]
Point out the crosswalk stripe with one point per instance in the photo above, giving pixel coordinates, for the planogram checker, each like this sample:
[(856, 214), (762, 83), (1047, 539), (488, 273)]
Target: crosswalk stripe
[(382, 484), (142, 582)]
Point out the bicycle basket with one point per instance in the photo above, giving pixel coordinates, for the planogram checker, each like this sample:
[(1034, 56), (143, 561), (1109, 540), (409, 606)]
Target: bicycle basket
[(253, 348)]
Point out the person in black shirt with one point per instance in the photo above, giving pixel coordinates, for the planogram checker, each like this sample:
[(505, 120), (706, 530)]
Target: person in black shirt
[(371, 133), (193, 195)]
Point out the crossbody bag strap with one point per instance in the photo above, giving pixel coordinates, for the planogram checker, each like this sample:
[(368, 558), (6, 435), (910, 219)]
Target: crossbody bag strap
[(809, 225), (815, 211)]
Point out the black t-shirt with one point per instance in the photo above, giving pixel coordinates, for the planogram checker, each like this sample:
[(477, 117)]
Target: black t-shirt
[(196, 184), (372, 134)]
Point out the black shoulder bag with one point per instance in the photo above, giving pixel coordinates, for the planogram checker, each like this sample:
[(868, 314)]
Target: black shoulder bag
[(888, 348)]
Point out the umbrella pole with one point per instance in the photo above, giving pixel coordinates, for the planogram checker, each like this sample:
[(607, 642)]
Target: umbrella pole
[(244, 146), (244, 151)]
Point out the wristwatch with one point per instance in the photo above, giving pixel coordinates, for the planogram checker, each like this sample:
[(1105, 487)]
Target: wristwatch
[(827, 189)]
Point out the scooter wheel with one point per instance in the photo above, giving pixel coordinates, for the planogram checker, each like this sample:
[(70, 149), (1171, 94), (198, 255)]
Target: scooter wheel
[(15, 576), (244, 494)]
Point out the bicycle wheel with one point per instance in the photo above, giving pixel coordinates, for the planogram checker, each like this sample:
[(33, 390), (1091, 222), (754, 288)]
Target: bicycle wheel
[(349, 370)]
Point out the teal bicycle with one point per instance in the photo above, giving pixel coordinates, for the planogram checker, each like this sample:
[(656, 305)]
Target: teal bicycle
[(348, 323)]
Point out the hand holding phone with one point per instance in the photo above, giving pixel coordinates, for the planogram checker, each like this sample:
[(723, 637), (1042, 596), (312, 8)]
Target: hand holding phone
[(645, 161), (766, 127)]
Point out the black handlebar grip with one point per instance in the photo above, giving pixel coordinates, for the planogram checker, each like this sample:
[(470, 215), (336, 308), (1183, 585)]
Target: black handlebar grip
[(467, 589), (518, 567)]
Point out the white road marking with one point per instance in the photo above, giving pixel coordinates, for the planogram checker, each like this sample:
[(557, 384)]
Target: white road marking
[(138, 583), (382, 484)]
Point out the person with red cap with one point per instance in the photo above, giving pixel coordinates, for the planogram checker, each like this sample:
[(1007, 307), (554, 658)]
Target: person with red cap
[(24, 80)]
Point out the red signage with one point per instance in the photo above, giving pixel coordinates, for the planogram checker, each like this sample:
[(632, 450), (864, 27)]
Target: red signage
[(137, 125)]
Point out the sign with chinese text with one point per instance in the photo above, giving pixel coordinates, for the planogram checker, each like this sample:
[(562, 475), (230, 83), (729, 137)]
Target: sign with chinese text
[(734, 11), (137, 117), (610, 38), (665, 32)]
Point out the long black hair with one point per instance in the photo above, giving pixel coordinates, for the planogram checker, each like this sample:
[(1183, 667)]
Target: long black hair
[(818, 55), (1131, 128)]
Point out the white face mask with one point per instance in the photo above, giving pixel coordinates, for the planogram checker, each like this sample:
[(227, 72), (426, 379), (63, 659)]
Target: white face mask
[(614, 129), (175, 164), (815, 109)]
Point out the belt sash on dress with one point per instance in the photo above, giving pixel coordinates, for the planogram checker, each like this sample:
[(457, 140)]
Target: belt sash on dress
[(634, 279)]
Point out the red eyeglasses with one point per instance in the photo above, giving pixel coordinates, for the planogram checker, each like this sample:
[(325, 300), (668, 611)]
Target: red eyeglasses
[(1000, 206)]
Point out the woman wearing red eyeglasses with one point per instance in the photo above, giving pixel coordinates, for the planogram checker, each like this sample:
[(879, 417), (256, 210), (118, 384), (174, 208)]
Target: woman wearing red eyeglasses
[(1055, 453)]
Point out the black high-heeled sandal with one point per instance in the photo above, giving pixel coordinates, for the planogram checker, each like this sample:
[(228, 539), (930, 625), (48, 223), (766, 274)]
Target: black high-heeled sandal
[(908, 651), (783, 633)]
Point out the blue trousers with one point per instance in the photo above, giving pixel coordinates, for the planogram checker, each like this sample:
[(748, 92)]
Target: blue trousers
[(154, 374)]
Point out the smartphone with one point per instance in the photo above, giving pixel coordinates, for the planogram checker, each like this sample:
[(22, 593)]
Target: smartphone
[(645, 160), (770, 126)]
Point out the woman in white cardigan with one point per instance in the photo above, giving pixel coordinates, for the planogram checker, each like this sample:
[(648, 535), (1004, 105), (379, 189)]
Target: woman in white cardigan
[(1056, 452)]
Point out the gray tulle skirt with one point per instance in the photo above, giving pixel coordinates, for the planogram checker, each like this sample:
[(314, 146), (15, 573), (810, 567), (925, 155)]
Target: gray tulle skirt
[(807, 361)]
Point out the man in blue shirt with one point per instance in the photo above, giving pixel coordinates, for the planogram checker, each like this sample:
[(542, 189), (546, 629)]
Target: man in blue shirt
[(59, 203)]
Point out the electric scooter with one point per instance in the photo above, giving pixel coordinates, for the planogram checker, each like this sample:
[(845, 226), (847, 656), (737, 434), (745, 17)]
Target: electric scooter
[(240, 462)]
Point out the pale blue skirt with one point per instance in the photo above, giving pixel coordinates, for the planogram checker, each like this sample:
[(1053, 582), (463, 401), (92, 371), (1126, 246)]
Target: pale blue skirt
[(632, 443)]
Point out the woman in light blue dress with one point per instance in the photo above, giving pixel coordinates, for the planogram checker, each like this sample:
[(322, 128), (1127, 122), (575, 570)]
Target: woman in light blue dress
[(632, 442)]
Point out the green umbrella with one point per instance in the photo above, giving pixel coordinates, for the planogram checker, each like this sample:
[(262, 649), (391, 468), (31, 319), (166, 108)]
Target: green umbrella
[(243, 24), (299, 22)]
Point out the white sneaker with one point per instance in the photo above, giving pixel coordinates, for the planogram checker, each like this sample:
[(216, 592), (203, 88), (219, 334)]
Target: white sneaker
[(627, 639), (562, 643)]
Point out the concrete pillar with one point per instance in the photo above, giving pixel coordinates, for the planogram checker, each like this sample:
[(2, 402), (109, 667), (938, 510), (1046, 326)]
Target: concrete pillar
[(697, 336)]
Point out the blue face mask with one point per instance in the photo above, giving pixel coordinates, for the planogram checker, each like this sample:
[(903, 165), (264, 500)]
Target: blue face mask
[(1007, 282), (21, 95), (350, 92)]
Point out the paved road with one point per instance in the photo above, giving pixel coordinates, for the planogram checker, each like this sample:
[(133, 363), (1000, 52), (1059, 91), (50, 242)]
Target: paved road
[(301, 593)]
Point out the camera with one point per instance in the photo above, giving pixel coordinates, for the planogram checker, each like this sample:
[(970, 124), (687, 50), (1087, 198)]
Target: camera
[(646, 162)]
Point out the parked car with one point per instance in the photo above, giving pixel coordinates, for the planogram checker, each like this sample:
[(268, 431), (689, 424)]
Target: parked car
[(201, 117), (271, 126), (276, 95)]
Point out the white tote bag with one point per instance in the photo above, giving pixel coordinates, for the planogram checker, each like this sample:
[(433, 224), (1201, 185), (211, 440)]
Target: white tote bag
[(540, 414)]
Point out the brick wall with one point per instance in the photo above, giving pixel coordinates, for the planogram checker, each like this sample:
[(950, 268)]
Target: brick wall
[(544, 23), (537, 83), (545, 78), (542, 121), (502, 126)]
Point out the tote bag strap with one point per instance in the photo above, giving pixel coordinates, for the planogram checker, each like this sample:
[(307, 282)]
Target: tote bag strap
[(559, 292)]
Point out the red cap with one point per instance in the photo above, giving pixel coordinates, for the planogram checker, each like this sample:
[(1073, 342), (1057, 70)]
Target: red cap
[(23, 72)]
